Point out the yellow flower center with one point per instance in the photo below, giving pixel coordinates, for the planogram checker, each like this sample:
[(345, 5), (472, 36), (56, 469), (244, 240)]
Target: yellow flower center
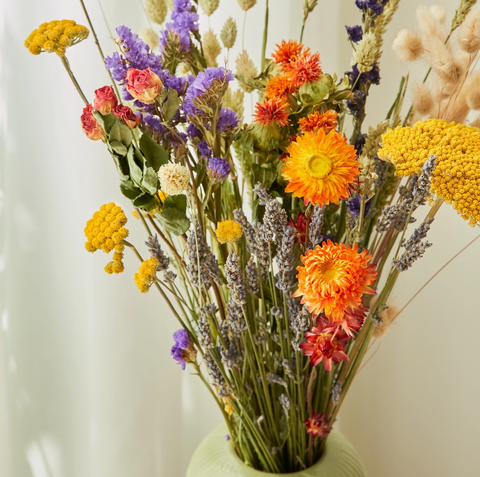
[(329, 271), (319, 165)]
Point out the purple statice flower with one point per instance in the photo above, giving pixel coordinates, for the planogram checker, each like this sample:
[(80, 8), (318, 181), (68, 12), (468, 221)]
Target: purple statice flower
[(204, 150), (228, 120), (154, 123), (357, 103), (360, 142), (183, 21), (175, 82), (182, 343), (376, 6), (373, 75), (353, 206), (218, 169), (200, 86), (136, 55), (227, 437), (193, 131), (355, 33)]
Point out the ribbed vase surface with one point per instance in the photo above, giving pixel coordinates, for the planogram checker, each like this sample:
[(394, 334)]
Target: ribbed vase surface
[(215, 457)]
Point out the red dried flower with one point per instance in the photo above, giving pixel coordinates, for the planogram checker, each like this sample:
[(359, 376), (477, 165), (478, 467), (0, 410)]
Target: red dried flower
[(274, 109), (317, 425)]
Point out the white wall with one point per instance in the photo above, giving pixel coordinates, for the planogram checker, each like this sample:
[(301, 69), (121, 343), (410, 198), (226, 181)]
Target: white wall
[(87, 386)]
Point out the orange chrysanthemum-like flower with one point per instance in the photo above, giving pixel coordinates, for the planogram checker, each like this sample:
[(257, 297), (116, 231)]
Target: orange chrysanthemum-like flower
[(271, 110), (334, 277), (306, 68), (320, 167), (278, 86), (315, 121), (287, 52)]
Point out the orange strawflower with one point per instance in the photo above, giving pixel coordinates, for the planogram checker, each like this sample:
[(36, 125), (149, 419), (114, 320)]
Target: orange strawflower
[(334, 277), (278, 86), (315, 121), (306, 68), (287, 52), (320, 167), (273, 109)]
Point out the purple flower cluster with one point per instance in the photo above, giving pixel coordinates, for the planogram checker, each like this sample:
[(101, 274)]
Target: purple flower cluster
[(228, 120), (218, 169), (373, 75), (357, 103), (182, 343), (200, 85), (354, 33), (204, 150), (353, 206), (376, 6), (183, 22)]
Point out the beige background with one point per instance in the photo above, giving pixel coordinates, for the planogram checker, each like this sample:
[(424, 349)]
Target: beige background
[(87, 385)]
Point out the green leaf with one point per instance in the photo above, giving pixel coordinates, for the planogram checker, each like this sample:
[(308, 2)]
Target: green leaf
[(106, 121), (265, 174), (176, 202), (150, 181), (173, 220), (171, 106), (145, 202), (135, 171), (121, 132), (118, 147), (153, 152), (129, 189)]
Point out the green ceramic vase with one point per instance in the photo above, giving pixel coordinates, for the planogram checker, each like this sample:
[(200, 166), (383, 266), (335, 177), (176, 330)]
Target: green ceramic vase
[(215, 457)]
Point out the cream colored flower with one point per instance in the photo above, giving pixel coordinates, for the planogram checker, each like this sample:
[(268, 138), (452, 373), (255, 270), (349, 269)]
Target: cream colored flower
[(174, 178), (211, 47), (365, 53), (156, 10), (245, 67)]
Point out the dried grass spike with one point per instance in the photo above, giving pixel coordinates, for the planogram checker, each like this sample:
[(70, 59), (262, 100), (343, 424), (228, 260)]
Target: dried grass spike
[(442, 61), (156, 10), (429, 25), (246, 4), (438, 13), (228, 35), (211, 47), (245, 67), (469, 33), (408, 46), (388, 317), (422, 99), (150, 37)]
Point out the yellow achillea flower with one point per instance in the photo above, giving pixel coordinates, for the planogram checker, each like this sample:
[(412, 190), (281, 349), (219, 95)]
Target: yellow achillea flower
[(456, 177), (55, 37), (106, 231), (320, 167), (228, 231), (147, 274)]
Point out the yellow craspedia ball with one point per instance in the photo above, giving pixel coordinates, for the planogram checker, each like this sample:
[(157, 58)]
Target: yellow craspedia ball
[(55, 37), (105, 231), (228, 231), (456, 177)]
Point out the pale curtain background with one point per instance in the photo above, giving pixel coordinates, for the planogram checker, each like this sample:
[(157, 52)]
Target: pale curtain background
[(87, 385)]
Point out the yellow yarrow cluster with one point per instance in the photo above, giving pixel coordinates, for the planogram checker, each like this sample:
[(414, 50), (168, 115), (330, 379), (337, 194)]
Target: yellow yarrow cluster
[(106, 231), (147, 273), (456, 177), (55, 36), (228, 231)]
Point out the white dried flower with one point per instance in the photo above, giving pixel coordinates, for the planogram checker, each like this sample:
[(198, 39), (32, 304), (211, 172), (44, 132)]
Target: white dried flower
[(174, 178), (156, 10), (387, 316), (246, 4), (408, 46), (438, 13), (228, 35), (208, 6), (150, 37), (472, 88), (469, 33), (448, 68), (365, 53), (211, 47), (245, 67), (429, 24)]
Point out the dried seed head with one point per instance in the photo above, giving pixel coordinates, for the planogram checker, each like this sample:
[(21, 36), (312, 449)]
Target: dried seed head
[(469, 33), (234, 101), (430, 26), (422, 99), (472, 87), (209, 6), (246, 4), (448, 68), (388, 316), (211, 47), (408, 46), (156, 11), (245, 67), (150, 37), (228, 35)]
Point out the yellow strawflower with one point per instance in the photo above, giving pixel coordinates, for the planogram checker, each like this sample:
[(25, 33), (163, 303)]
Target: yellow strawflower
[(55, 37), (228, 231), (456, 177), (147, 274), (105, 231)]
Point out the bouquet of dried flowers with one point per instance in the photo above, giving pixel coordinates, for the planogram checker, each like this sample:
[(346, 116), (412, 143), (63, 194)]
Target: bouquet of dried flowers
[(268, 239)]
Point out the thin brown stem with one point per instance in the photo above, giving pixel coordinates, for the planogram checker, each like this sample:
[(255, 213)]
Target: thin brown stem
[(72, 77)]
